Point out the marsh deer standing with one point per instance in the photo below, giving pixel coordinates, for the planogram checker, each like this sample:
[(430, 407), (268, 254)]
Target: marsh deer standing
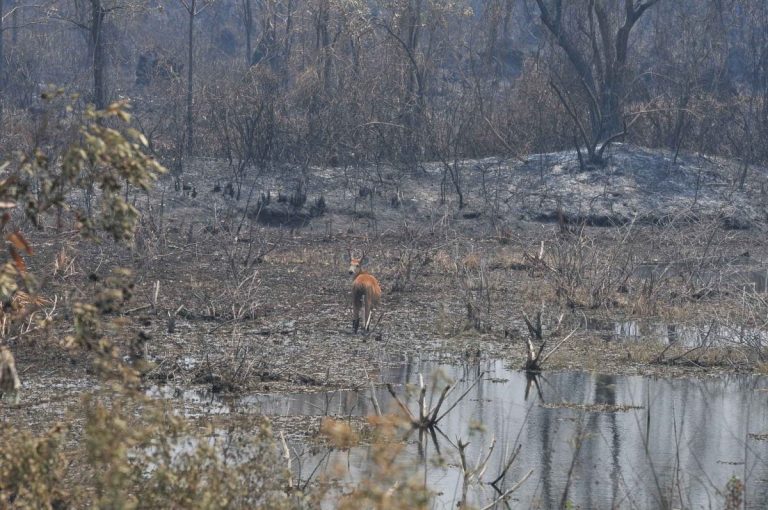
[(366, 292)]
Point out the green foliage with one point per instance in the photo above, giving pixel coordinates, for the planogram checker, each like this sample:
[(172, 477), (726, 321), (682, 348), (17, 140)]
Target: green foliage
[(134, 454)]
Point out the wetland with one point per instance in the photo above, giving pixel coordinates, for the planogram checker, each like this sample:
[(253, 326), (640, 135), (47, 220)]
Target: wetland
[(652, 394)]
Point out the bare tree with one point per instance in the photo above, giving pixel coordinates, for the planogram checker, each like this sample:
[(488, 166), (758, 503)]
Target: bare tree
[(598, 53), (243, 115), (405, 28), (2, 58), (247, 14), (96, 30), (193, 8), (90, 19)]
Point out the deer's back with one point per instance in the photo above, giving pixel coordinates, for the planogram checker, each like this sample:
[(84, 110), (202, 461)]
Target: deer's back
[(366, 285)]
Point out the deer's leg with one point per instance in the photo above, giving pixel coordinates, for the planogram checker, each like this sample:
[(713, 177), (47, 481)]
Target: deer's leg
[(356, 311), (367, 314)]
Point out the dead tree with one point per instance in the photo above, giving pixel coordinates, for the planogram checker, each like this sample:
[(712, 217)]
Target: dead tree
[(600, 64)]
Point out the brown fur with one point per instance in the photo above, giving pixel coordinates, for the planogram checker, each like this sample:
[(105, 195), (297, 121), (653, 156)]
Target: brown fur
[(366, 294), (9, 378)]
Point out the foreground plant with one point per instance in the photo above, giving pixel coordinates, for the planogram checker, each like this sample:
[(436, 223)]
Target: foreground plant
[(134, 452), (103, 157), (9, 377), (122, 449), (388, 483)]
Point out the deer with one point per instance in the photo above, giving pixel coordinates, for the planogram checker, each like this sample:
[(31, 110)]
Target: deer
[(366, 293)]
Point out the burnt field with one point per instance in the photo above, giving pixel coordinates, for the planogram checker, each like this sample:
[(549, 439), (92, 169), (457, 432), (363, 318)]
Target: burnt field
[(253, 294), (236, 314), (562, 205)]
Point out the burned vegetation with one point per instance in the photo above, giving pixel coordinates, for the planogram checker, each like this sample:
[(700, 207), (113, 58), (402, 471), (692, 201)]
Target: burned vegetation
[(243, 242)]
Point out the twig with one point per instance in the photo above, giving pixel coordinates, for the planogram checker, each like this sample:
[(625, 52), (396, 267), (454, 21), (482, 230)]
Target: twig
[(156, 295), (374, 400), (137, 309), (316, 469), (381, 315), (423, 415), (460, 398), (482, 464), (508, 491), (287, 457), (555, 348), (218, 326), (507, 465), (440, 400), (401, 404)]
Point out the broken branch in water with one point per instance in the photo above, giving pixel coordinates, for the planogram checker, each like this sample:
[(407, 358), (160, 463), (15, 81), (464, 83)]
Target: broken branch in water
[(475, 473), (535, 358), (287, 457), (508, 492), (429, 418), (508, 464)]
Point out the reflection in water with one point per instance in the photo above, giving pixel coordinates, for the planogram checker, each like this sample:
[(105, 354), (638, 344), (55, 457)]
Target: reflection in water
[(710, 335), (733, 275), (688, 435), (679, 447), (195, 402)]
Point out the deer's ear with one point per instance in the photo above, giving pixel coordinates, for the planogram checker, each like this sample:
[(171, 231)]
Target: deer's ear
[(364, 260)]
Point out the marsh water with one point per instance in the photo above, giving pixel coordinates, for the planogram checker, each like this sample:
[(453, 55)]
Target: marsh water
[(594, 441), (714, 334)]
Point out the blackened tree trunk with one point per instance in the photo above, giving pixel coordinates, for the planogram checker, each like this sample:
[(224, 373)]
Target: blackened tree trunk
[(98, 13), (190, 75), (193, 9), (288, 31), (248, 26), (407, 32), (15, 23), (323, 41), (2, 63)]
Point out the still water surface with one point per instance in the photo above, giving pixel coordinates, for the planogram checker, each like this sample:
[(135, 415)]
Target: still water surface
[(655, 443)]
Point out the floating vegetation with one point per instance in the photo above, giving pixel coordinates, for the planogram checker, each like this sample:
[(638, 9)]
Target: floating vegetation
[(592, 408)]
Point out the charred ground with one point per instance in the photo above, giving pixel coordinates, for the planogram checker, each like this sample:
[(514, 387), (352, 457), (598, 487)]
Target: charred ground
[(221, 300)]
